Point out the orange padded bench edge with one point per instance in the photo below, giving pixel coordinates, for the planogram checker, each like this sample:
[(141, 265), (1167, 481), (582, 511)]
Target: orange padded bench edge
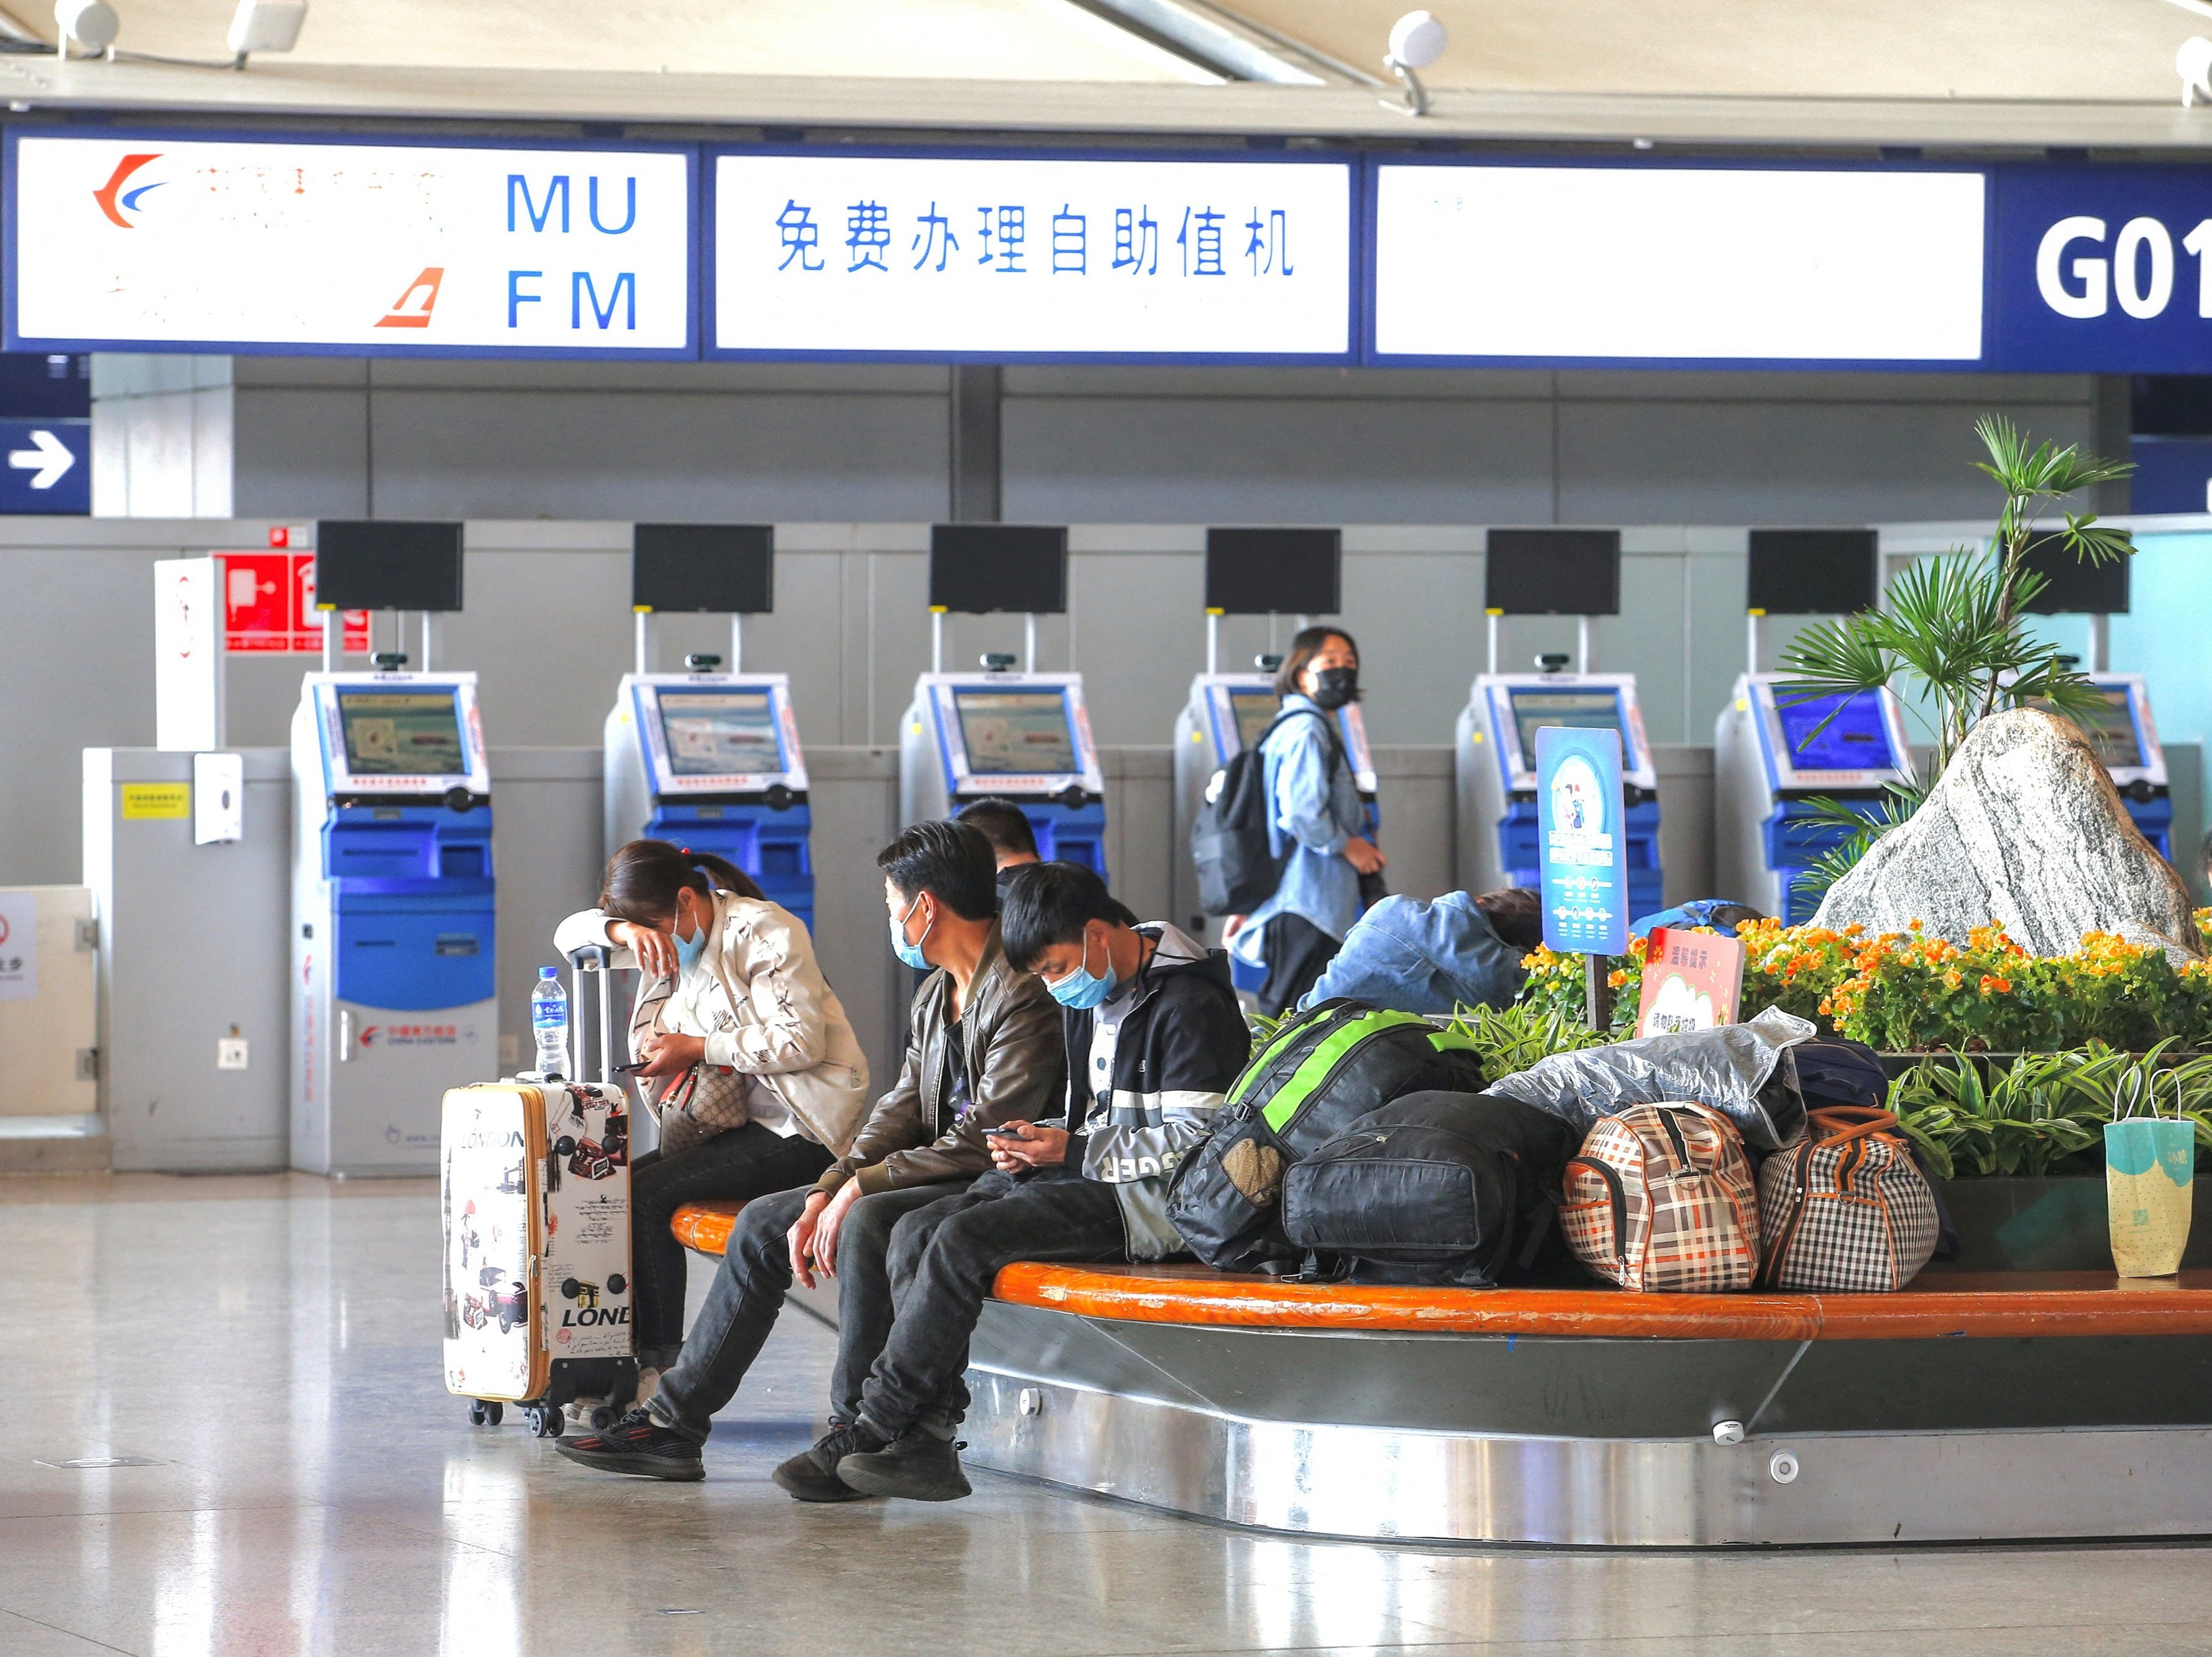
[(2006, 1306), (1195, 1295), (705, 1226), (1998, 1306)]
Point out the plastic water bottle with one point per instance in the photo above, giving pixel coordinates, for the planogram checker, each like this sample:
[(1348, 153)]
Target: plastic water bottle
[(549, 1021)]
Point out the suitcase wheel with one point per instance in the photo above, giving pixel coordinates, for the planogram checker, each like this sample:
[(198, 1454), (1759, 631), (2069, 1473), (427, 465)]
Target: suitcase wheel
[(483, 1413), (544, 1420), (605, 1416)]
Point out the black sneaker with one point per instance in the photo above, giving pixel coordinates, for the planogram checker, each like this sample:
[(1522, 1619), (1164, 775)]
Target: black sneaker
[(919, 1465), (640, 1446), (811, 1475)]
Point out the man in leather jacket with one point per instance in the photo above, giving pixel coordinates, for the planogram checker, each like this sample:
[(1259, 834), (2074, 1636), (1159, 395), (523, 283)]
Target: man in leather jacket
[(984, 1046)]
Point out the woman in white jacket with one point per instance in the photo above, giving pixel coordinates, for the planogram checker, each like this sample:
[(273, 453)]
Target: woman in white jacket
[(759, 1081)]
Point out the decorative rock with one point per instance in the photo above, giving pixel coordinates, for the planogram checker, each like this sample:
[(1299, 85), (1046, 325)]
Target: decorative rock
[(2024, 828)]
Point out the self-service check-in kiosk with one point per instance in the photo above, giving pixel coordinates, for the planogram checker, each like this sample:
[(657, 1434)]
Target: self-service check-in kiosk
[(1548, 572), (1253, 572), (1773, 754), (2126, 740), (2122, 731), (1025, 736), (1776, 753), (707, 759), (393, 893)]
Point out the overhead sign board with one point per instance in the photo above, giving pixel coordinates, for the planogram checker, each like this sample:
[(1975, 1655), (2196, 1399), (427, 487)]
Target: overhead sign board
[(2104, 270), (946, 256), (163, 241), (1675, 265)]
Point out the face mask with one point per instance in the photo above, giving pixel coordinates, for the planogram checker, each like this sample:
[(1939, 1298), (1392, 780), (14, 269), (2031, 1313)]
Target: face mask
[(910, 953), (1080, 989), (689, 950), (1335, 685)]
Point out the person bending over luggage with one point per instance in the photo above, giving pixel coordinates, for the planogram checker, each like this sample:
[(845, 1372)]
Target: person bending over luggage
[(983, 1046), (750, 1062), (1462, 951), (1155, 1040), (1006, 826), (1314, 824)]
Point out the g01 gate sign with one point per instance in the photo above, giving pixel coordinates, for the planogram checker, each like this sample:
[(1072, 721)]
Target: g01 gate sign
[(2104, 270), (304, 246)]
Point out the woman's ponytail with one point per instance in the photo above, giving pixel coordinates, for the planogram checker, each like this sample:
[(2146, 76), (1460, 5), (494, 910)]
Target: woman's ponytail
[(643, 878)]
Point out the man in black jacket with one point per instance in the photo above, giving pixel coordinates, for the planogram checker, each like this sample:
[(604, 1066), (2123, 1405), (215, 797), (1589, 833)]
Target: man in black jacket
[(1155, 1040)]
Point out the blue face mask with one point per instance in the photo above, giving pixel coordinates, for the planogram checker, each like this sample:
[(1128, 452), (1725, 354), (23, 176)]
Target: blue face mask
[(1081, 989), (910, 953), (689, 950)]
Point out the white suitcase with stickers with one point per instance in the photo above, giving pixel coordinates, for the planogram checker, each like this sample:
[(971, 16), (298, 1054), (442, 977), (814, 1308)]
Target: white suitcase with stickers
[(535, 1187)]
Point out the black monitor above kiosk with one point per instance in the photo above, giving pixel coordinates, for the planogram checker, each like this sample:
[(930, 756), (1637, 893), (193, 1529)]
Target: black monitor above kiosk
[(726, 570), (1552, 573), (1812, 572), (1274, 572), (979, 569), (2073, 586), (383, 563)]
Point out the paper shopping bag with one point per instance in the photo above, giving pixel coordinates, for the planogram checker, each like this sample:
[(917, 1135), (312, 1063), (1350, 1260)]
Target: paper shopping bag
[(2149, 1165)]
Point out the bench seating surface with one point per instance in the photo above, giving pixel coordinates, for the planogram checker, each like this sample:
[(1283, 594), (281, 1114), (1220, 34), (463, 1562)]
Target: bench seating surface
[(2008, 1305)]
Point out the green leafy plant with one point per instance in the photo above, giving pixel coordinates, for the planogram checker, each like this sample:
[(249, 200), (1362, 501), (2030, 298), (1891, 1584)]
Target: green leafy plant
[(1951, 627), (2044, 1114), (1508, 1039)]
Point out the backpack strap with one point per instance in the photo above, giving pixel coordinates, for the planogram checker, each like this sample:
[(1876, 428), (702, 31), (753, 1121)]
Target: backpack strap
[(1337, 756)]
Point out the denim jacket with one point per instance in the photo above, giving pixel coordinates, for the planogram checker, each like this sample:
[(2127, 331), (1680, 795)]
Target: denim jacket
[(1413, 956), (1316, 809)]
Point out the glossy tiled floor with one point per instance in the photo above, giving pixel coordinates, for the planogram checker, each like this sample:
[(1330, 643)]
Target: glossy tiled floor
[(270, 1344)]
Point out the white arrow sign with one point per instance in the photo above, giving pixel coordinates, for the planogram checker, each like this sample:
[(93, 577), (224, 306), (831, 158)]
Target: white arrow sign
[(49, 457)]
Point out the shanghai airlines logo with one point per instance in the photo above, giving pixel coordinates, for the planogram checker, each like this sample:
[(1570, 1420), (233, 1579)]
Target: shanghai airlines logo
[(114, 200), (407, 311)]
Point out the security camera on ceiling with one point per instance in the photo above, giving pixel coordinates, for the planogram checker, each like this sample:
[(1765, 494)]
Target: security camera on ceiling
[(2193, 64), (1416, 39), (90, 24), (265, 26)]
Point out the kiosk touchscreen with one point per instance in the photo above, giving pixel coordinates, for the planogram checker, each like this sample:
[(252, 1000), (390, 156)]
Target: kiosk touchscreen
[(1226, 714), (1496, 752), (712, 760), (1771, 755), (1021, 736), (2126, 740), (393, 897)]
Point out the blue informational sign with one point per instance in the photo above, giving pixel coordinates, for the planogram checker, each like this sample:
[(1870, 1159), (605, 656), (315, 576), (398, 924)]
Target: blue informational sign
[(1584, 869), (2101, 269), (49, 466)]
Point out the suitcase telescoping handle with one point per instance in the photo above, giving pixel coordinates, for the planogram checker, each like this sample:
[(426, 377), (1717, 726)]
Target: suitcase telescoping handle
[(593, 960)]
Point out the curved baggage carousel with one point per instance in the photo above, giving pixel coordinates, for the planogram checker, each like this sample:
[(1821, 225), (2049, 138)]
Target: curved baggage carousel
[(2006, 1405)]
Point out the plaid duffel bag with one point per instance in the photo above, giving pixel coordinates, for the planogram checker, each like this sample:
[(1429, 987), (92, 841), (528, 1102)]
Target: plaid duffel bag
[(1661, 1197), (1846, 1208)]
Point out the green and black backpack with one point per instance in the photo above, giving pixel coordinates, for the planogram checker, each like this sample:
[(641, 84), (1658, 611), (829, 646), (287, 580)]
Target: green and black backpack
[(1321, 1072)]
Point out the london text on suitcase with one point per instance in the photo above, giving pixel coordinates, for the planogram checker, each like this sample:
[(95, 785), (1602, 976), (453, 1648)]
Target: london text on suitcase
[(535, 1188)]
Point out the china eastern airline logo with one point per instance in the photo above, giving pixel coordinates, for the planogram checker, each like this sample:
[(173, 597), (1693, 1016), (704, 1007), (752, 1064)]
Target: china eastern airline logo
[(115, 200)]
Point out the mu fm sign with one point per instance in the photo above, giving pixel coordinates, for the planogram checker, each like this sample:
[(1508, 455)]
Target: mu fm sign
[(364, 248)]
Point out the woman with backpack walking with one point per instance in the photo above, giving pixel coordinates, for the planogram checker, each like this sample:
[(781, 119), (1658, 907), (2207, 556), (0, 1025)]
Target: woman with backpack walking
[(1314, 824)]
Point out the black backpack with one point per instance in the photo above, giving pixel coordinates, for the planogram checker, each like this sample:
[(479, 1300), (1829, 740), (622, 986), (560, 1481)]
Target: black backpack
[(1321, 1072), (1436, 1188), (1237, 871)]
